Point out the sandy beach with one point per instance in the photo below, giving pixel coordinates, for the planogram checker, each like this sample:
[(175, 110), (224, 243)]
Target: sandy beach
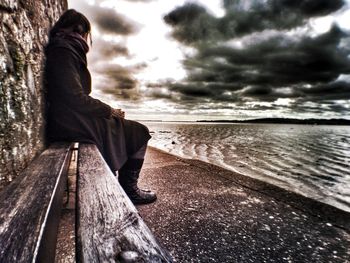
[(208, 214), (205, 213)]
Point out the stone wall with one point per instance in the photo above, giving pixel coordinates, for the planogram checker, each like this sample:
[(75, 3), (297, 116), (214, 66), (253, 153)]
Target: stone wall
[(24, 26)]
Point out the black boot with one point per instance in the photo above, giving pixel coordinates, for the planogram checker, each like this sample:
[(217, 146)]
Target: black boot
[(128, 177)]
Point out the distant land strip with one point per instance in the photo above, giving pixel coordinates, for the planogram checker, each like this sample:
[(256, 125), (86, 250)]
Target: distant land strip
[(287, 121)]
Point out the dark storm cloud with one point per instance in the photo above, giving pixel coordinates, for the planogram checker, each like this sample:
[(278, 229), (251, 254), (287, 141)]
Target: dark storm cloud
[(257, 91), (118, 77), (160, 95), (103, 50), (280, 61), (185, 14), (108, 20), (111, 22), (195, 89), (269, 66), (339, 90), (248, 56), (192, 23), (307, 7), (112, 50), (118, 80), (338, 108), (319, 108)]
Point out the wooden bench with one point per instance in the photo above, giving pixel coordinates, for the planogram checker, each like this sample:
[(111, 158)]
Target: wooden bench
[(108, 226), (30, 208)]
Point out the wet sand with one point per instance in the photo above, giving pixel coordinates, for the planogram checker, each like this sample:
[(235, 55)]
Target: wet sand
[(205, 213)]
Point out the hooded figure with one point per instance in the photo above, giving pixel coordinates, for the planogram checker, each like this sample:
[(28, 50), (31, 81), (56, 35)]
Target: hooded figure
[(73, 115)]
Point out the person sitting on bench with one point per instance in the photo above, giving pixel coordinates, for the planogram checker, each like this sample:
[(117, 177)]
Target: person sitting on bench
[(73, 115)]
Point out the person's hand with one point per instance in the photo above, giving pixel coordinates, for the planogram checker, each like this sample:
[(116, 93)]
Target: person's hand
[(118, 113)]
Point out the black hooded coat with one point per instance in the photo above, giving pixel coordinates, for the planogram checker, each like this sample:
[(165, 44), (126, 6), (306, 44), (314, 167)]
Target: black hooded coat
[(73, 115)]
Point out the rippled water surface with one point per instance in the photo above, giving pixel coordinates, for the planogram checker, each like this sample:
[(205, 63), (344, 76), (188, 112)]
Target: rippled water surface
[(310, 160)]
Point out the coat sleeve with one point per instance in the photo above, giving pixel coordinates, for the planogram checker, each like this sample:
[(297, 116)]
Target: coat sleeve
[(62, 69)]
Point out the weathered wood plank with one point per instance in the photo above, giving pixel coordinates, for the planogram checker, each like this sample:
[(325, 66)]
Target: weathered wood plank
[(109, 228), (30, 208)]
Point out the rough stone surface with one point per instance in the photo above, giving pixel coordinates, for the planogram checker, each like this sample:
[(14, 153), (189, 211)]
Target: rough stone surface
[(24, 26), (205, 213)]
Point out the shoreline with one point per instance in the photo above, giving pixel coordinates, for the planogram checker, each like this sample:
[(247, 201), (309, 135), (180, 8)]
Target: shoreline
[(239, 176), (207, 213), (312, 122), (317, 208)]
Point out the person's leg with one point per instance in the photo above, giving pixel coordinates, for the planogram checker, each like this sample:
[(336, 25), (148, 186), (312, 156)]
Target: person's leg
[(128, 177), (140, 154)]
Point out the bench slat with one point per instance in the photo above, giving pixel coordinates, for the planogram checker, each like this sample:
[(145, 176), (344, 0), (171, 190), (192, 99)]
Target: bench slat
[(108, 223), (30, 208)]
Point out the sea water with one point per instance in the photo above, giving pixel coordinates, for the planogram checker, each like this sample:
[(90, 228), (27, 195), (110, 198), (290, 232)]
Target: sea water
[(312, 160)]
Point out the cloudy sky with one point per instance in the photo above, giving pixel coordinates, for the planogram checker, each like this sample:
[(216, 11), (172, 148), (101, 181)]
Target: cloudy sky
[(221, 59)]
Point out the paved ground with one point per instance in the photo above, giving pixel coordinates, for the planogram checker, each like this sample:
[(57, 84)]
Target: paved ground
[(208, 214)]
